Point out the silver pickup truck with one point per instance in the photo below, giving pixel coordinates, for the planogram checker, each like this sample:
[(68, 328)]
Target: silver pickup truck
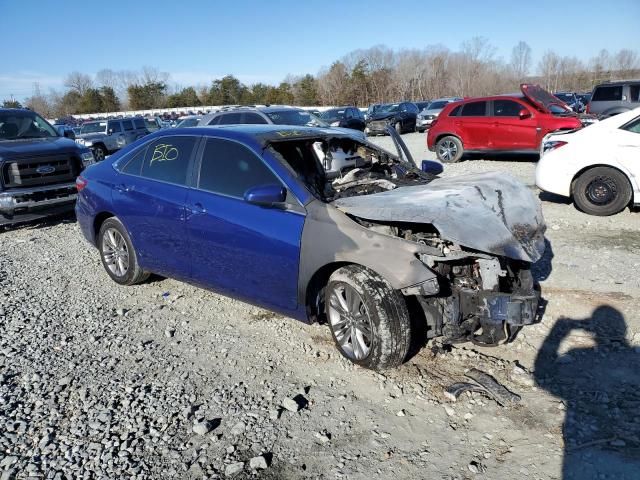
[(104, 137)]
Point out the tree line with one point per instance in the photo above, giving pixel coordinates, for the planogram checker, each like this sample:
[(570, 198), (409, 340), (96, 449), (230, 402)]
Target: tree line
[(374, 75)]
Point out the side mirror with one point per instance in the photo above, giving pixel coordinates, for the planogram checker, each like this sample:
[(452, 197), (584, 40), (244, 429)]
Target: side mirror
[(110, 131), (524, 113), (266, 195), (68, 133), (431, 166)]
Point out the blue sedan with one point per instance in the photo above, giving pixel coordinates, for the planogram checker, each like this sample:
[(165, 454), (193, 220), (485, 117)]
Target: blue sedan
[(248, 211)]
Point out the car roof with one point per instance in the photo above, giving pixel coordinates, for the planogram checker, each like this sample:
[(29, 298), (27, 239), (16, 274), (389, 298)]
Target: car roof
[(261, 133), (617, 83)]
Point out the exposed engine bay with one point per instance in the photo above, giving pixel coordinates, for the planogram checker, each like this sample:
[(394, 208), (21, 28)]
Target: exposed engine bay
[(479, 234)]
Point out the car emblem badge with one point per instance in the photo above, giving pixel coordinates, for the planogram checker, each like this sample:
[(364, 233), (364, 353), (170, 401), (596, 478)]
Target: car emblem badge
[(45, 169)]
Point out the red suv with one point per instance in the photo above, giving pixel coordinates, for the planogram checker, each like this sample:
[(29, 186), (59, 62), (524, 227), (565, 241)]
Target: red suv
[(505, 123)]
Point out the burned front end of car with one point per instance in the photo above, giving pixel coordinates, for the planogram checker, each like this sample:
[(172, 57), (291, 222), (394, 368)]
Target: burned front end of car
[(479, 235)]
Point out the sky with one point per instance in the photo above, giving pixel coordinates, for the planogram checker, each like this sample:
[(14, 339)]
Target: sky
[(264, 40)]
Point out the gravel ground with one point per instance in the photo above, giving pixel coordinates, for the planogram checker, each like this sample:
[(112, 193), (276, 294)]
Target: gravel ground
[(165, 380)]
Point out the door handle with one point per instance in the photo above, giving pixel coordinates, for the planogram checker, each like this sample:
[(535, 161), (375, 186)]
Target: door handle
[(122, 188), (197, 209)]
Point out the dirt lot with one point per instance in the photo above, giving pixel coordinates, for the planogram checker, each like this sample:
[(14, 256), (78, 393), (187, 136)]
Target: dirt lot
[(165, 380)]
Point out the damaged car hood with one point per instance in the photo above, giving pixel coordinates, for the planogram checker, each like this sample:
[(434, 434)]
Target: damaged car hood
[(489, 212)]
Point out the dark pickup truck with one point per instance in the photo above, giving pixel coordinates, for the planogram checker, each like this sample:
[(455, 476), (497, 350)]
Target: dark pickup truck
[(38, 167)]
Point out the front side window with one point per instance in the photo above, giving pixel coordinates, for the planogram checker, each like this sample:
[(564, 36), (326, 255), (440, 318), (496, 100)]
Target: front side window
[(230, 119), (114, 127), (607, 94), (634, 93), (506, 108), (167, 159), (127, 124), (230, 168), (633, 126), (474, 109)]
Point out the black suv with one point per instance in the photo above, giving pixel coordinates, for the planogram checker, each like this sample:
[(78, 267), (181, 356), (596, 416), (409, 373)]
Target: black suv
[(401, 116), (345, 117), (38, 167)]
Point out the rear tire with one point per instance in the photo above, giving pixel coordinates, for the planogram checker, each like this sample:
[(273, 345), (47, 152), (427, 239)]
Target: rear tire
[(449, 149), (602, 191), (369, 320), (118, 256)]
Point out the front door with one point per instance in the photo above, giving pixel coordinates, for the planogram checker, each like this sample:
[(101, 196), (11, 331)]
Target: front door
[(512, 132), (150, 196), (238, 248), (627, 151)]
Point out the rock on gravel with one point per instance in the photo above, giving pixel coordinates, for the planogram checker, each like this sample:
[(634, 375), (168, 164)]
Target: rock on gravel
[(258, 463), (233, 469)]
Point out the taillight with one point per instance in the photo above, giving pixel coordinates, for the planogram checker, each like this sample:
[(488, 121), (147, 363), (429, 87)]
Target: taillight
[(81, 183)]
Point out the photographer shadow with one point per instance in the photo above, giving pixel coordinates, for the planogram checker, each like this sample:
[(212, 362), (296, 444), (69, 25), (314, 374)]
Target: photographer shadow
[(599, 386)]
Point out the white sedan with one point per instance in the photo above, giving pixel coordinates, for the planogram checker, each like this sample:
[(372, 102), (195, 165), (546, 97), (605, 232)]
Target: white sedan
[(597, 166)]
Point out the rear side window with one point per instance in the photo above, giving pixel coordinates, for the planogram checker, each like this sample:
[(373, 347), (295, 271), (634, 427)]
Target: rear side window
[(139, 123), (134, 165), (230, 119), (253, 118), (115, 127), (633, 126), (506, 108), (230, 168), (127, 124), (474, 109), (456, 111), (607, 94), (215, 120), (634, 93), (167, 159)]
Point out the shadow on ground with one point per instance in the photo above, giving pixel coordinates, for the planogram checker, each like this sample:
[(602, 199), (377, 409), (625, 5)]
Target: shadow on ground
[(51, 221), (598, 381)]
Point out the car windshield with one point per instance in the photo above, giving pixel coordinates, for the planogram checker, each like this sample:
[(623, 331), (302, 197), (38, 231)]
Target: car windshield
[(15, 125), (151, 124), (565, 97), (188, 122), (94, 127), (437, 105), (295, 117), (557, 109), (332, 115), (390, 108)]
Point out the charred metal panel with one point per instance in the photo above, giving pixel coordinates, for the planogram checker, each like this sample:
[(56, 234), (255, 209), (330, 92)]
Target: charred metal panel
[(489, 212)]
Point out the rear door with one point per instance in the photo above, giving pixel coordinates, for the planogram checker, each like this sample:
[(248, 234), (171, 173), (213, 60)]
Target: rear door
[(511, 132), (238, 248), (474, 125), (150, 196)]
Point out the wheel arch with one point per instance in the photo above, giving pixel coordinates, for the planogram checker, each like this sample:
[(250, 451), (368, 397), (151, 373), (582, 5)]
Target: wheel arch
[(97, 223), (442, 135), (605, 165), (313, 298)]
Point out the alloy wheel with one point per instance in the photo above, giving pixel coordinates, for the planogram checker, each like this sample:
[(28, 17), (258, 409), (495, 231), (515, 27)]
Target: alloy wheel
[(447, 150), (350, 321), (115, 252)]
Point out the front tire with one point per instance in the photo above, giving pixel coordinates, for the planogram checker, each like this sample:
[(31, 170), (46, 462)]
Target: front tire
[(398, 127), (369, 320), (99, 152), (602, 191), (449, 149), (118, 256)]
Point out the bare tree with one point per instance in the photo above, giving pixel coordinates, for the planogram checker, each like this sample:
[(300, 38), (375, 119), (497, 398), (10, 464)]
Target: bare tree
[(521, 60), (625, 61), (80, 82)]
